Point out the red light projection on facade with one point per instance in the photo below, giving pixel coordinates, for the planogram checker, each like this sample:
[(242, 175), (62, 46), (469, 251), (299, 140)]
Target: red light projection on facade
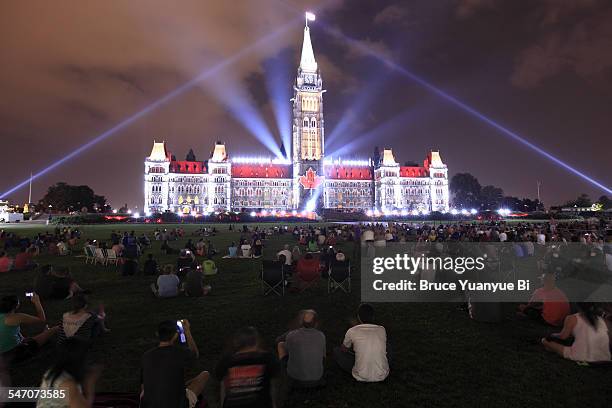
[(310, 180)]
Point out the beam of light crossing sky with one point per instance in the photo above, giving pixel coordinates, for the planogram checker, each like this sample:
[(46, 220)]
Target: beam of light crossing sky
[(465, 107), (202, 76), (227, 90), (278, 86), (402, 119), (353, 113)]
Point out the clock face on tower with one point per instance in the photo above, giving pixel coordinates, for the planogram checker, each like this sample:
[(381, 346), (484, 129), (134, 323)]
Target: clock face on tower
[(310, 79)]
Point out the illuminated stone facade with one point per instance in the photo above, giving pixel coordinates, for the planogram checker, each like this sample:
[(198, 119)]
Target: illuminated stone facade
[(307, 181)]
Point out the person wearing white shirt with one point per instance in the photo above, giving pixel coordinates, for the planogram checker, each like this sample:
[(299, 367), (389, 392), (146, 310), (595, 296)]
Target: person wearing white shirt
[(363, 352), (287, 254), (368, 235), (541, 238), (503, 237), (246, 250)]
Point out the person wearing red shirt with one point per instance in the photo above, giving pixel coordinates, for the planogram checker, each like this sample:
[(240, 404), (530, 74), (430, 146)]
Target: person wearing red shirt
[(548, 303), (22, 260), (5, 262)]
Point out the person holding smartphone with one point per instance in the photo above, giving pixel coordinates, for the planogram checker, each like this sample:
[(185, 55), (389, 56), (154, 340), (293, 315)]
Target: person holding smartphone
[(14, 347), (163, 369)]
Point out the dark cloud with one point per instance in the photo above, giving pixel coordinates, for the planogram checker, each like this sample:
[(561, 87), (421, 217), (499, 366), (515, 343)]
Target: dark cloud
[(392, 14), (582, 46), (71, 71)]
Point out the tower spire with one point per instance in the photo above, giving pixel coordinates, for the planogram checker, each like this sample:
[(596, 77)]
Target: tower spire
[(308, 62)]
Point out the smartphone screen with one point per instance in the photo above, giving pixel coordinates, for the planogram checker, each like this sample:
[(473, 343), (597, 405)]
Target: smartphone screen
[(29, 294), (181, 331)]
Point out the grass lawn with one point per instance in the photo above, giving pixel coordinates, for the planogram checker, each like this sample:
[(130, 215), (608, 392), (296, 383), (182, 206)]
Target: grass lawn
[(440, 357)]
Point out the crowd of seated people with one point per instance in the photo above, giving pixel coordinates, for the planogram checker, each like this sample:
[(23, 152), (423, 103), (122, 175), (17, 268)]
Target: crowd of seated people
[(17, 252), (168, 283), (298, 359)]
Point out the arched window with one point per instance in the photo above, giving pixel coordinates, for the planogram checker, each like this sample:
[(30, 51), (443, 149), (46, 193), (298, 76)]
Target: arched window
[(313, 123), (306, 123)]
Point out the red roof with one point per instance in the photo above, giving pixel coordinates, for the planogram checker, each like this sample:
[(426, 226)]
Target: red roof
[(184, 166), (267, 170), (348, 173), (413, 171)]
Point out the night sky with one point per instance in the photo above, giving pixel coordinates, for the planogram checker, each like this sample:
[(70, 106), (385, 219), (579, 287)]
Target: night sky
[(71, 70)]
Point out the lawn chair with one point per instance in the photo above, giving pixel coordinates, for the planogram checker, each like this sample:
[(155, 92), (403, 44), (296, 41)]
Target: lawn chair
[(339, 277), (272, 278), (308, 273), (99, 256), (89, 254), (111, 257)]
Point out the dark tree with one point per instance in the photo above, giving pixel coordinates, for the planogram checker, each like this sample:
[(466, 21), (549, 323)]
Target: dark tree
[(512, 203), (491, 197), (605, 202), (466, 190), (583, 200), (64, 197)]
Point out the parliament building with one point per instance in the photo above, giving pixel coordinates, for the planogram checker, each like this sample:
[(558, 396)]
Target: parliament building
[(306, 181)]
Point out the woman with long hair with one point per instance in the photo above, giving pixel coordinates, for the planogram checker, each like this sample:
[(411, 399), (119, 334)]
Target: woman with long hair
[(590, 333), (80, 322), (70, 377)]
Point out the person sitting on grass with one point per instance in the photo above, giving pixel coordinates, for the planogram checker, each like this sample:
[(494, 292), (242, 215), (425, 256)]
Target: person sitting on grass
[(167, 283), (257, 249), (190, 246), (15, 348), (548, 304), (200, 247), (209, 267), (6, 262), (287, 255), (248, 375), (165, 247), (81, 322), (163, 382), (245, 249), (312, 245), (70, 373), (296, 253), (23, 260), (62, 248), (118, 248), (591, 342), (52, 283), (194, 283), (367, 362), (150, 266), (210, 249), (232, 250), (186, 260), (302, 352)]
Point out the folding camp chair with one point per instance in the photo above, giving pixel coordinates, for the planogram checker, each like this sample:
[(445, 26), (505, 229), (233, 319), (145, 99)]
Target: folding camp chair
[(272, 278), (111, 257), (99, 256), (89, 254), (339, 277)]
